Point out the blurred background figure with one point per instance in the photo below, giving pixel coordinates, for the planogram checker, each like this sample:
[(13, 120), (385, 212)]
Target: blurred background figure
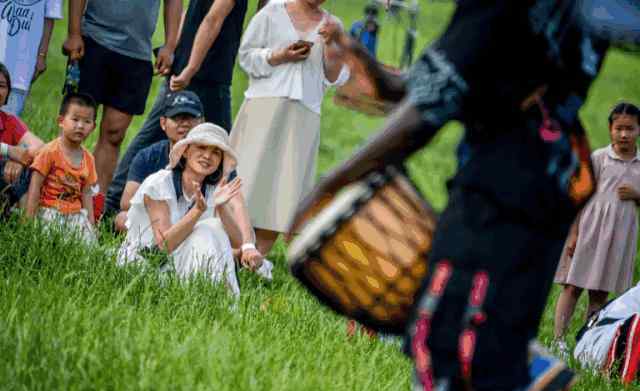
[(366, 30)]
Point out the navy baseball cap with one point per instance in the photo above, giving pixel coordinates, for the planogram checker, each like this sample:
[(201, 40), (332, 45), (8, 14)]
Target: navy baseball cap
[(183, 102)]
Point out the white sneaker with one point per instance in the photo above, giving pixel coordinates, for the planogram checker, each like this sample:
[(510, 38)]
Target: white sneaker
[(264, 270)]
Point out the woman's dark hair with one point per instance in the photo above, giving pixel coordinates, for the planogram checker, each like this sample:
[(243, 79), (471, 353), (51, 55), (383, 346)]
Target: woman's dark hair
[(211, 179), (5, 72), (624, 108)]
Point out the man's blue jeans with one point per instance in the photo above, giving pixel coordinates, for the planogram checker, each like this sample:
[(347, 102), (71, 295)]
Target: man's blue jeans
[(216, 100)]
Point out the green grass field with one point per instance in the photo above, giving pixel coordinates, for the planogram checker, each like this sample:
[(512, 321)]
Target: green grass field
[(71, 319)]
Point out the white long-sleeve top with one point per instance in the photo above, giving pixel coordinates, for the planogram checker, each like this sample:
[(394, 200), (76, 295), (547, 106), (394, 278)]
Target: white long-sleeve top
[(272, 29)]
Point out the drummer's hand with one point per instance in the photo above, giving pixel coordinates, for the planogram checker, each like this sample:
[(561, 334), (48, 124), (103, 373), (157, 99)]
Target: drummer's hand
[(251, 259), (330, 31)]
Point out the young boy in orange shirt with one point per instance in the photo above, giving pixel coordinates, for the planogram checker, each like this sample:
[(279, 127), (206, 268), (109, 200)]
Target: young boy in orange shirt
[(64, 171)]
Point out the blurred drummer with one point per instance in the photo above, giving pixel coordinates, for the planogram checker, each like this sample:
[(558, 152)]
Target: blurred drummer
[(515, 74)]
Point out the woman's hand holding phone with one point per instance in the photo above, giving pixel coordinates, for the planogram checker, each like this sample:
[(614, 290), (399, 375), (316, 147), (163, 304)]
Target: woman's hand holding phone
[(297, 51)]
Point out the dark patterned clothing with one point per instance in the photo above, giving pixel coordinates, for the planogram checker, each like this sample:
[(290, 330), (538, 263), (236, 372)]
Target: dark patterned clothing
[(524, 174)]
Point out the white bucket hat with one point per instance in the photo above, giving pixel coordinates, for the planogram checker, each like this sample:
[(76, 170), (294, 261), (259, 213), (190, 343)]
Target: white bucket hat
[(206, 134)]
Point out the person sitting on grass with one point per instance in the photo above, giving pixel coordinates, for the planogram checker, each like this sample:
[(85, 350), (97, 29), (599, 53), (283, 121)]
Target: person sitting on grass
[(183, 110), (610, 339), (17, 148), (183, 210), (64, 172)]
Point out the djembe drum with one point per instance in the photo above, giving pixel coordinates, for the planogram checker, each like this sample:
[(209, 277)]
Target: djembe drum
[(364, 254)]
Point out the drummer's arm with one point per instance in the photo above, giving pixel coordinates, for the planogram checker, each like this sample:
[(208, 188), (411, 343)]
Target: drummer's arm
[(435, 97)]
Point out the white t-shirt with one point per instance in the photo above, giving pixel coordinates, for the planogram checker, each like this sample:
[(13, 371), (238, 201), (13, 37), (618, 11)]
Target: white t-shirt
[(271, 29), (21, 27)]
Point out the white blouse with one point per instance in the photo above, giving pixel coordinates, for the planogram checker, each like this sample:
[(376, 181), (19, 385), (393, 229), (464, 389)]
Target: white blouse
[(158, 187), (271, 29)]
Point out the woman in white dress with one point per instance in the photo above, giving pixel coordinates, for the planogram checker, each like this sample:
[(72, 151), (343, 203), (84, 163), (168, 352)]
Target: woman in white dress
[(182, 209), (288, 51)]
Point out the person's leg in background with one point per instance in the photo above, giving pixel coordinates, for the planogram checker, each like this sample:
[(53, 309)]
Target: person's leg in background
[(149, 133), (216, 101), (564, 311), (126, 83), (113, 128), (16, 102)]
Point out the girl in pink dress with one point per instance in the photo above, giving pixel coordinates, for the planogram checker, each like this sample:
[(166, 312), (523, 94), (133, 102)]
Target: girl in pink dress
[(600, 252)]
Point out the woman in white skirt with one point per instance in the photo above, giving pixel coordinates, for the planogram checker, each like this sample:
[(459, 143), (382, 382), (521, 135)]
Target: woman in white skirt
[(182, 209), (289, 54)]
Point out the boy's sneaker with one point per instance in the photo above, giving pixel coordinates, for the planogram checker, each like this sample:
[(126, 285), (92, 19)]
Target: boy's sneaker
[(547, 372)]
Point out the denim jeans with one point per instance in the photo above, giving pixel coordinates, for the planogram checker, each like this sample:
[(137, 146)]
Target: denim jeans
[(216, 100), (12, 192)]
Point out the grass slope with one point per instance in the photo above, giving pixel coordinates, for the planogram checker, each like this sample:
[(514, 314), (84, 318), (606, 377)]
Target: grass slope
[(71, 319)]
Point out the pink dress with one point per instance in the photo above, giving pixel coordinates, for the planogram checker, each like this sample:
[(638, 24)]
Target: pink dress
[(605, 253)]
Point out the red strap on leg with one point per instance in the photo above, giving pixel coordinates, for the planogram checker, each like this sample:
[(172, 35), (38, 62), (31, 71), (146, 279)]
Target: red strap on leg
[(474, 316), (428, 306)]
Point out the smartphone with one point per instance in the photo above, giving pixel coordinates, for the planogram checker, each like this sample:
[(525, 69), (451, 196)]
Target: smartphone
[(300, 43)]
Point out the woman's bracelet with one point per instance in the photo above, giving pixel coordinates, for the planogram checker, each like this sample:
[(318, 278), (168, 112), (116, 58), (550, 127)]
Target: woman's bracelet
[(4, 151), (248, 246)]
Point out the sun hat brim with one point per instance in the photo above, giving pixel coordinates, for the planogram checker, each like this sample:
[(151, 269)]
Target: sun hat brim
[(206, 134)]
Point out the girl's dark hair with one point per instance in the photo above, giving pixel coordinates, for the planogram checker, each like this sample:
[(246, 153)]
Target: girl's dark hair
[(5, 72), (624, 108)]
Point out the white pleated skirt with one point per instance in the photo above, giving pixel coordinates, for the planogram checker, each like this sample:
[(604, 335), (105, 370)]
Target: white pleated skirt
[(277, 142)]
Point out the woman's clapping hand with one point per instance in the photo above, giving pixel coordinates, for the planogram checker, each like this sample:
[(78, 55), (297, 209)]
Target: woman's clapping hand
[(226, 191), (223, 192), (330, 31)]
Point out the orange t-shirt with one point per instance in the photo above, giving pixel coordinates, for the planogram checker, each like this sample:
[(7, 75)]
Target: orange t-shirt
[(63, 183)]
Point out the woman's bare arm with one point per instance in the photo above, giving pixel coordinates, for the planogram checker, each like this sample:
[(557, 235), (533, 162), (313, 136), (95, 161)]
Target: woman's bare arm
[(168, 237), (232, 226)]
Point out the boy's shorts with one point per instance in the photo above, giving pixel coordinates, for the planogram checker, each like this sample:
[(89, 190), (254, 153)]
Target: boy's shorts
[(75, 223), (114, 79)]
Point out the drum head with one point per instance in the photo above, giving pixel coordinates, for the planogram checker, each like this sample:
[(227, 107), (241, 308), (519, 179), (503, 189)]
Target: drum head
[(365, 254)]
